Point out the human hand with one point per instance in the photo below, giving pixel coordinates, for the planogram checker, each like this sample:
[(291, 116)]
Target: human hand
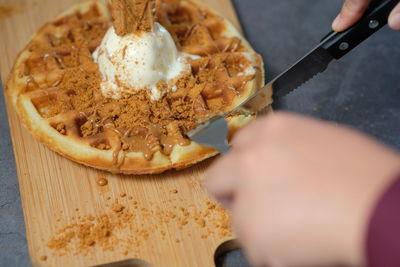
[(301, 191), (353, 10)]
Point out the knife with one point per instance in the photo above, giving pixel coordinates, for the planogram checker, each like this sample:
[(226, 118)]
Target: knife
[(214, 133)]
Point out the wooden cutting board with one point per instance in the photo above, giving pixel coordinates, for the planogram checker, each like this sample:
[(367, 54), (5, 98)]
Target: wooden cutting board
[(166, 220)]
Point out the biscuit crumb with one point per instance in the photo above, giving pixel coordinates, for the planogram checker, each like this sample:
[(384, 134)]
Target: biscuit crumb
[(102, 181), (43, 258), (116, 230), (117, 207), (61, 128), (201, 222), (91, 242)]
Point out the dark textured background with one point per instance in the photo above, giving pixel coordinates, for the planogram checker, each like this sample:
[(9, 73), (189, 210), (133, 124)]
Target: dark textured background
[(362, 90)]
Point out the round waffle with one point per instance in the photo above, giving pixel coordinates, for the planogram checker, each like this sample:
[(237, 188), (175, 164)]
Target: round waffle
[(55, 88)]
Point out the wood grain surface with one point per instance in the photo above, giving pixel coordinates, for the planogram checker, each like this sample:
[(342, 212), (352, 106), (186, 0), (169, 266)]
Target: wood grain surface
[(167, 219)]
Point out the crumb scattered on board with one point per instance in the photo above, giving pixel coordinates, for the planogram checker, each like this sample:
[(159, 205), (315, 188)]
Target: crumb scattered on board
[(101, 180), (117, 207), (127, 224)]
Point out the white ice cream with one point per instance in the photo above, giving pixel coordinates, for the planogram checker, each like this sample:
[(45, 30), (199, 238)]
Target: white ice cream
[(139, 62)]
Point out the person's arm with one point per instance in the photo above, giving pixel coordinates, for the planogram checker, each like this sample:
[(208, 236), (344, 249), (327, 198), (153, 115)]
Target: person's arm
[(353, 10), (302, 191), (383, 238)]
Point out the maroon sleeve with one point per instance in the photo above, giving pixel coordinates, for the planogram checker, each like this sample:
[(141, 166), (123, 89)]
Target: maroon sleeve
[(383, 240)]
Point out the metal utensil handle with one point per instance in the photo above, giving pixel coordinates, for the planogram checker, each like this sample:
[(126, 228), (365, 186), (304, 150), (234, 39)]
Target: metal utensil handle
[(339, 44)]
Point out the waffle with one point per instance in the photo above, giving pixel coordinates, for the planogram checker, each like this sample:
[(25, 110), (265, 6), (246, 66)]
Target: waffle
[(55, 89)]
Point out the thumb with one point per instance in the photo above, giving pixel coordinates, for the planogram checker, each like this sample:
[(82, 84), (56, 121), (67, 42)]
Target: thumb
[(394, 18), (351, 12)]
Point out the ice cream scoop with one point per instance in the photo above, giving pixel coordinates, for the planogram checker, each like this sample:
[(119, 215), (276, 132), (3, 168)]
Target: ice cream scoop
[(139, 62)]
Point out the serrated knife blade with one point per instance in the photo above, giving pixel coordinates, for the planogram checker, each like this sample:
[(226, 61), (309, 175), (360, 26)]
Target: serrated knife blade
[(316, 61), (335, 45)]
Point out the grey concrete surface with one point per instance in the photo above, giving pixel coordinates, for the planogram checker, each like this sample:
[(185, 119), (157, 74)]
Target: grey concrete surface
[(13, 249), (362, 90)]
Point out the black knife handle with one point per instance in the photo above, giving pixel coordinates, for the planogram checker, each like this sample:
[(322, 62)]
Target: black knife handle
[(339, 44)]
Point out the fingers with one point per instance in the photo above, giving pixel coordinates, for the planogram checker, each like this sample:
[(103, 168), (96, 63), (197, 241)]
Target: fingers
[(224, 175), (351, 12), (394, 18), (220, 181)]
